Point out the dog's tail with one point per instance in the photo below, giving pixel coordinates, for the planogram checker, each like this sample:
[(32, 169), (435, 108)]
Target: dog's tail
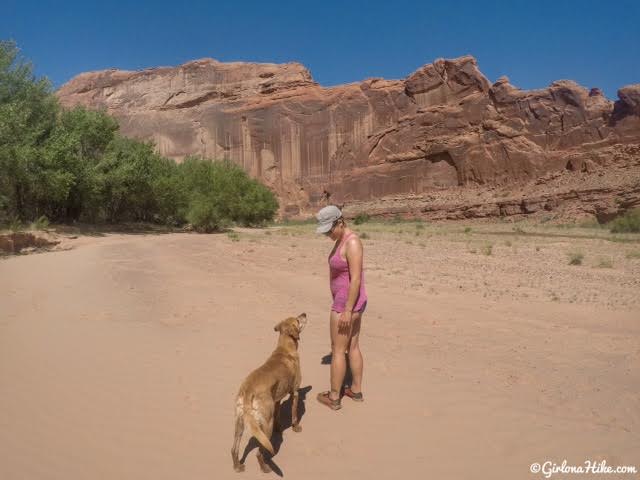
[(257, 432), (246, 409)]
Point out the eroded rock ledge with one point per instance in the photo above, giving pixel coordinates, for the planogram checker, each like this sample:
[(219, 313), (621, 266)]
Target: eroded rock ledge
[(445, 132)]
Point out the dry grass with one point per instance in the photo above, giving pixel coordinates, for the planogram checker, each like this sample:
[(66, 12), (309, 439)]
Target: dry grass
[(605, 262)]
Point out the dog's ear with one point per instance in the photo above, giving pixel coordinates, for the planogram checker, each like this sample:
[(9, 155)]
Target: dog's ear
[(302, 320)]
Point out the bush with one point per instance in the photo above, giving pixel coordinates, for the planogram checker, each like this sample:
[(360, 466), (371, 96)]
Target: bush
[(575, 258), (487, 249), (397, 218), (605, 263), (40, 223), (204, 215), (15, 225), (125, 183), (361, 218), (627, 223), (232, 196)]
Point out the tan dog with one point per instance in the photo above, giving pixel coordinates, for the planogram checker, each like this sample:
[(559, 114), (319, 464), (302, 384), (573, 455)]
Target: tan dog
[(259, 398)]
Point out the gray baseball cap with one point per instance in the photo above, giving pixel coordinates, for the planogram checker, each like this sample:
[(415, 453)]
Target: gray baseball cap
[(326, 218)]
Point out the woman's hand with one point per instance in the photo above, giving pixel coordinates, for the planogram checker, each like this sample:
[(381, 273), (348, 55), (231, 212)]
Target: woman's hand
[(344, 323)]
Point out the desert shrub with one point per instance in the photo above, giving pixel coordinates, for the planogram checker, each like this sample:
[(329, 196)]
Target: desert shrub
[(15, 224), (575, 258), (487, 249), (590, 223), (232, 196), (361, 218), (204, 216), (40, 223), (253, 204), (604, 262), (627, 223)]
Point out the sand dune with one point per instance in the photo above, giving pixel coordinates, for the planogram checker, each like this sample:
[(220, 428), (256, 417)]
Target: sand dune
[(120, 359)]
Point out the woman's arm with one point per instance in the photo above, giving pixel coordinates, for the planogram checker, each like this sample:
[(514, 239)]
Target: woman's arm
[(354, 259)]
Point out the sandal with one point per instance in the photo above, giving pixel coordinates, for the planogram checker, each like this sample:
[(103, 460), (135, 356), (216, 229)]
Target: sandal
[(356, 397), (325, 399)]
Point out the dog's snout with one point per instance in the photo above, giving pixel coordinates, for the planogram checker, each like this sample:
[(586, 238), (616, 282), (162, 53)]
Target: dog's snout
[(302, 321)]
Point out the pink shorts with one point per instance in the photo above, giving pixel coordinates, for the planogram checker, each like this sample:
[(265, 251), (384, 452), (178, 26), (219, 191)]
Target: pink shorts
[(359, 307)]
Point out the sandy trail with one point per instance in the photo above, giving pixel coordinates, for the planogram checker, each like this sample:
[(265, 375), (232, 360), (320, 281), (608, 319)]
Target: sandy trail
[(121, 358)]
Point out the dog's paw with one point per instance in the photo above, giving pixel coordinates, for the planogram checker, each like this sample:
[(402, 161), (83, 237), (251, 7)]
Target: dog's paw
[(264, 466), (239, 467), (297, 428)]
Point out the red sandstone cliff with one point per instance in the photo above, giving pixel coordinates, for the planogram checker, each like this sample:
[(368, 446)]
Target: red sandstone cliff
[(443, 143)]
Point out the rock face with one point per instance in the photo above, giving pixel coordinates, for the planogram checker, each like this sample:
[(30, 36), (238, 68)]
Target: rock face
[(397, 146)]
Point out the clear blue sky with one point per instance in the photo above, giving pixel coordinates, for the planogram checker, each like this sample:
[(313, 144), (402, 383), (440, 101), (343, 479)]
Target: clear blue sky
[(533, 42)]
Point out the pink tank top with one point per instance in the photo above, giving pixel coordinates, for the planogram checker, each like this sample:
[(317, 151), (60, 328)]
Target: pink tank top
[(339, 281)]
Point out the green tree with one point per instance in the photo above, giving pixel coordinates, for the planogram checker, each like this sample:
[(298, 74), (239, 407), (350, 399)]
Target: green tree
[(73, 151), (127, 180), (27, 115), (72, 165)]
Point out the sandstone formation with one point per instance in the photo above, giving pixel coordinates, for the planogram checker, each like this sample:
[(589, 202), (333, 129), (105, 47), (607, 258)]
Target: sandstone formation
[(442, 143)]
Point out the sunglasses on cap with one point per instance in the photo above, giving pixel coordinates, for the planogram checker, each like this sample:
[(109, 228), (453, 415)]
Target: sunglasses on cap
[(327, 233)]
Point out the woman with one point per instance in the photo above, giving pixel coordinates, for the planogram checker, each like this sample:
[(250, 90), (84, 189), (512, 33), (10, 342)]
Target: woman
[(346, 279)]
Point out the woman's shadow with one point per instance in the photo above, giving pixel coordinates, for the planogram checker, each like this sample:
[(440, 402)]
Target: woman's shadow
[(285, 421), (348, 377)]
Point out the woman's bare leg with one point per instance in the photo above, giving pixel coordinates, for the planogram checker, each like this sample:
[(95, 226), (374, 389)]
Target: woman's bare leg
[(339, 345), (355, 355)]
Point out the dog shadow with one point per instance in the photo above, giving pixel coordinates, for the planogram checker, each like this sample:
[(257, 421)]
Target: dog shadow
[(348, 376), (285, 422)]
